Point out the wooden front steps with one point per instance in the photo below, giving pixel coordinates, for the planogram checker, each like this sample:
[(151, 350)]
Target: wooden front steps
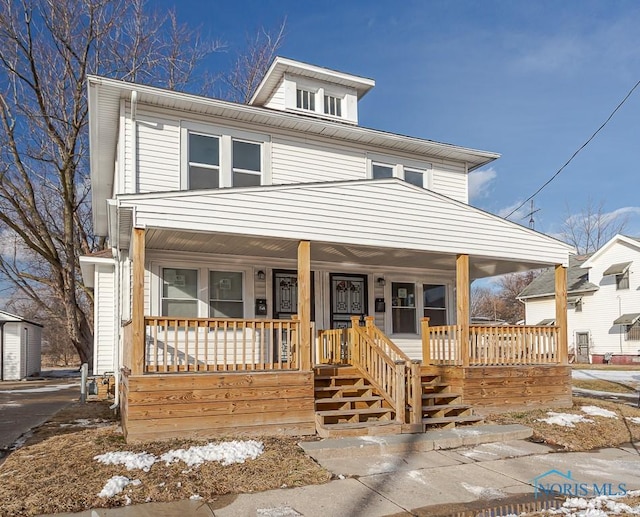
[(441, 407), (347, 405)]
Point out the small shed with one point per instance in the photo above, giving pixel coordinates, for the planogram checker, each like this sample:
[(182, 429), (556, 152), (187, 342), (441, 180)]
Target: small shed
[(20, 347)]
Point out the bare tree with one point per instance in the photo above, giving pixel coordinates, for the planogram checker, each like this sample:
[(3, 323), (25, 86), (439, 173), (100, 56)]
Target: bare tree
[(251, 64), (591, 227), (501, 303), (47, 48)]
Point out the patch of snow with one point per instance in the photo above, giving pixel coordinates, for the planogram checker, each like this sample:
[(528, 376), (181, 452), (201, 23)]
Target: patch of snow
[(341, 476), (374, 439), (483, 492), (564, 419), (226, 453), (10, 403), (127, 500), (416, 475), (634, 419), (43, 389), (598, 411), (131, 460), (195, 497), (282, 511), (117, 484)]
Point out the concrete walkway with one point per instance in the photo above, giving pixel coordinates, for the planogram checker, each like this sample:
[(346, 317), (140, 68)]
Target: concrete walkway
[(437, 473)]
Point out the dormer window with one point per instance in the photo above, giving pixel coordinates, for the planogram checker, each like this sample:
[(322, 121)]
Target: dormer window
[(333, 105), (414, 176), (305, 99), (381, 170)]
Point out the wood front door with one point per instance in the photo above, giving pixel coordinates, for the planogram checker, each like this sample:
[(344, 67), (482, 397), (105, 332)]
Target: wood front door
[(285, 294), (348, 298)]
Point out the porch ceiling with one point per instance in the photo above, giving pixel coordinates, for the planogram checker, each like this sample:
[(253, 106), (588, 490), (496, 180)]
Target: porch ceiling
[(274, 248)]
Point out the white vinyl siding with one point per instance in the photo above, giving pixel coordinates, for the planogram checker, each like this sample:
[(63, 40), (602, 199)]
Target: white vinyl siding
[(129, 185), (158, 155), (450, 180), (12, 352), (277, 99), (297, 160), (21, 359), (105, 319), (34, 350), (373, 216)]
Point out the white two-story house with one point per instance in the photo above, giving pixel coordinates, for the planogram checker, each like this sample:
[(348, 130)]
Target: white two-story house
[(286, 215), (603, 320)]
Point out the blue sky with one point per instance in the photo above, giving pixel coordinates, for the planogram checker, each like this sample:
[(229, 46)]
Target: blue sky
[(531, 80)]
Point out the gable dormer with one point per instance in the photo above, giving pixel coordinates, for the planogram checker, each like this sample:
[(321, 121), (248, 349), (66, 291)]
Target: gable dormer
[(307, 89)]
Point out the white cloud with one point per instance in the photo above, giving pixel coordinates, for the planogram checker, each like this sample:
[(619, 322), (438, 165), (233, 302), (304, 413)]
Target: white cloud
[(518, 215), (480, 182)]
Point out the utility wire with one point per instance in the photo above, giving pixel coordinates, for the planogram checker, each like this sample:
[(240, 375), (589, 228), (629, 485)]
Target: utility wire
[(576, 153)]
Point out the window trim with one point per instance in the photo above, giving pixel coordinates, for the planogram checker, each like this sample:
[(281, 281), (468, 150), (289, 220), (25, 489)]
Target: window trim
[(227, 136), (156, 283), (200, 164), (399, 166)]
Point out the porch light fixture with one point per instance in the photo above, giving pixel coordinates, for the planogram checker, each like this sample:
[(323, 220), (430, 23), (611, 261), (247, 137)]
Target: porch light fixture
[(260, 274), (381, 282)]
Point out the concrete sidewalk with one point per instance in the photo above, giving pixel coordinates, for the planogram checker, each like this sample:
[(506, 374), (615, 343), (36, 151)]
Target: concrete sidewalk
[(419, 475)]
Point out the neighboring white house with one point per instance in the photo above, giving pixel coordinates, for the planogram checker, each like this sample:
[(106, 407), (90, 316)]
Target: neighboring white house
[(225, 192), (20, 347), (603, 313)]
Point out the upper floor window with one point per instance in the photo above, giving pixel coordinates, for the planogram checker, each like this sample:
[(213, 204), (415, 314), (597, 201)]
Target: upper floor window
[(247, 164), (381, 170), (305, 99), (411, 171), (215, 157), (204, 161), (333, 105), (622, 280)]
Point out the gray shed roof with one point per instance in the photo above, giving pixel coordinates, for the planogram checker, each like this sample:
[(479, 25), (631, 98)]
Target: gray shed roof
[(577, 280)]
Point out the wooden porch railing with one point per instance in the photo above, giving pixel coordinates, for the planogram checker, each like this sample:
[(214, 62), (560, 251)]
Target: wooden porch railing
[(127, 345), (387, 375), (203, 344), (490, 346), (332, 347)]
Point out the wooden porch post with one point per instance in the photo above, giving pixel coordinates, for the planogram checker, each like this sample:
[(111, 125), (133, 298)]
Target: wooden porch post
[(137, 302), (304, 303), (561, 313), (462, 305)]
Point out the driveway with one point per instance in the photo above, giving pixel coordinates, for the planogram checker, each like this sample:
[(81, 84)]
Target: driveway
[(631, 377), (25, 405)]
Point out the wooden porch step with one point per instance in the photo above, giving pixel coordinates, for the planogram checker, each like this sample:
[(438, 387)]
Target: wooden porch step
[(441, 395), (371, 428), (347, 388), (347, 413), (344, 400), (467, 419), (439, 407)]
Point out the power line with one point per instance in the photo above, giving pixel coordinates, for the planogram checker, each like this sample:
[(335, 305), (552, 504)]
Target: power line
[(576, 153)]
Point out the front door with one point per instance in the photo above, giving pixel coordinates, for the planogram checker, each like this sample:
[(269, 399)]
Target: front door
[(582, 347), (348, 298)]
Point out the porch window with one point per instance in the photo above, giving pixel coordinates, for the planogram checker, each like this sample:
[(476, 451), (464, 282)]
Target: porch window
[(180, 292), (403, 310), (435, 307), (225, 294), (204, 161), (247, 167)]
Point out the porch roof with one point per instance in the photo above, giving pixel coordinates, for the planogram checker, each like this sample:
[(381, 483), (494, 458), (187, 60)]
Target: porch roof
[(386, 222)]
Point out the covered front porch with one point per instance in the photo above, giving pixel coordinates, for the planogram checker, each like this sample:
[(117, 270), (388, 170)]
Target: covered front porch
[(363, 325)]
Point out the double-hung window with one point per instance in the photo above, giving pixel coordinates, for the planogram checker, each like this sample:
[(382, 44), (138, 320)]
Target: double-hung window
[(305, 99), (412, 171), (381, 170), (180, 293), (225, 294), (247, 163), (333, 105), (218, 157), (204, 161), (435, 307), (622, 281)]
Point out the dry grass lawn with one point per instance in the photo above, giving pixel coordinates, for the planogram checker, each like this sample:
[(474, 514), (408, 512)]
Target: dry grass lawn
[(55, 471), (600, 385), (604, 432)]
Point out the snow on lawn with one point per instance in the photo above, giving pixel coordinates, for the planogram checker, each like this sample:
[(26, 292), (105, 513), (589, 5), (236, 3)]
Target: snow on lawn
[(598, 411), (116, 485), (564, 419), (226, 453), (43, 389), (634, 419), (596, 507)]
